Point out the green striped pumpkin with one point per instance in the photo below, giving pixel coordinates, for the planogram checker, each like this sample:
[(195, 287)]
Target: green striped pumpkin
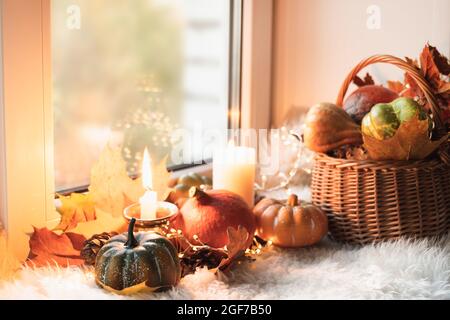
[(143, 259), (384, 119)]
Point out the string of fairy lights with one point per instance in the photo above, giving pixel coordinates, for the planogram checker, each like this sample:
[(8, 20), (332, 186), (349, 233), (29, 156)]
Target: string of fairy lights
[(301, 164), (255, 249)]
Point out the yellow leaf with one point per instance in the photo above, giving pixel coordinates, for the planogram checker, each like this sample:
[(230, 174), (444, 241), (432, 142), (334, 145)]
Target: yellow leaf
[(74, 209), (105, 222), (110, 185), (112, 189)]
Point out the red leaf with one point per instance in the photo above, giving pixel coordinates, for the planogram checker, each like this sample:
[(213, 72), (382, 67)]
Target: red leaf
[(47, 247), (368, 80), (429, 67), (440, 61)]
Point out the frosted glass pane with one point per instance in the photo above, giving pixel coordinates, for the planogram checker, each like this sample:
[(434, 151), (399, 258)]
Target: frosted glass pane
[(132, 72)]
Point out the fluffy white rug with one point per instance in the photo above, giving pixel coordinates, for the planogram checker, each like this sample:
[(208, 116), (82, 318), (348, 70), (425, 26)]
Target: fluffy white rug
[(394, 270)]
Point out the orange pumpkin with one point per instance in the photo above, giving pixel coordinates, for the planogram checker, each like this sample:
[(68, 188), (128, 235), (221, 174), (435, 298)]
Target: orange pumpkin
[(290, 224)]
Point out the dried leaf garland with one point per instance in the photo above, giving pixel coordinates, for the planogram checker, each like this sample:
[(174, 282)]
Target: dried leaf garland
[(75, 208), (47, 247)]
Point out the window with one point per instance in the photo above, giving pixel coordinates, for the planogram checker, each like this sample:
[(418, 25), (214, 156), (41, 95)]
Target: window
[(28, 107), (131, 74)]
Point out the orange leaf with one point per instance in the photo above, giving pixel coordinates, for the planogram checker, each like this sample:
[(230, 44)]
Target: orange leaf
[(396, 86), (47, 247), (429, 67)]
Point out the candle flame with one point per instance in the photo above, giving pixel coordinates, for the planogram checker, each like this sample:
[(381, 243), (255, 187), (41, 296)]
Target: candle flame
[(231, 143), (147, 171)]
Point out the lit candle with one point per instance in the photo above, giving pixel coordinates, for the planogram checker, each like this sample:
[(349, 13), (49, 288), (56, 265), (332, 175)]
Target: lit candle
[(234, 170), (149, 201)]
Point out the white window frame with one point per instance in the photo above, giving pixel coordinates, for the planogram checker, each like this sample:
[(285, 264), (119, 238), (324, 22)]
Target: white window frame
[(26, 138)]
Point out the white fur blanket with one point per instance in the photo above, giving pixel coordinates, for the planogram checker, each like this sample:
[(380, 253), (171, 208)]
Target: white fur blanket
[(394, 270)]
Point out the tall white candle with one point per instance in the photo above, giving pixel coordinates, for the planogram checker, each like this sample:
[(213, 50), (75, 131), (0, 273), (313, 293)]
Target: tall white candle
[(234, 170), (149, 201)]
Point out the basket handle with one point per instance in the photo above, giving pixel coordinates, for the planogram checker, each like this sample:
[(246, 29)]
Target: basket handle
[(411, 70)]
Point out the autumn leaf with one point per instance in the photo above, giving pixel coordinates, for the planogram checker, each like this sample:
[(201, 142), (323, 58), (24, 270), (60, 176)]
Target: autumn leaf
[(410, 142), (432, 64), (435, 68), (47, 247), (105, 222), (441, 61), (413, 90), (75, 208), (413, 62), (112, 189), (444, 88), (237, 244), (396, 86), (368, 80)]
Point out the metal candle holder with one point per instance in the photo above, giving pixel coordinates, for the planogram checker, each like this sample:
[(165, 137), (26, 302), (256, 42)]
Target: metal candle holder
[(165, 213)]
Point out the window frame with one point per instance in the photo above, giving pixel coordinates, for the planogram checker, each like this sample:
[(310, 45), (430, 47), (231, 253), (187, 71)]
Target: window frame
[(27, 186), (26, 140)]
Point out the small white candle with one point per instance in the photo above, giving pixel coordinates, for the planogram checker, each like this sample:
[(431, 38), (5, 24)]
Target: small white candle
[(234, 170), (149, 201)]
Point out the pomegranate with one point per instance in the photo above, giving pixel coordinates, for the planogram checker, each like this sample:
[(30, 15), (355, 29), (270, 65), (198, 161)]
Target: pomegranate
[(359, 103), (208, 214)]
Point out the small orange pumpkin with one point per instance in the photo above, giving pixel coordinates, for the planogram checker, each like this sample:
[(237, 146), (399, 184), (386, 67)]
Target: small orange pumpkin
[(290, 224)]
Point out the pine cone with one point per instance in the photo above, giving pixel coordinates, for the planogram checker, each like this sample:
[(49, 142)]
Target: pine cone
[(93, 245), (201, 257)]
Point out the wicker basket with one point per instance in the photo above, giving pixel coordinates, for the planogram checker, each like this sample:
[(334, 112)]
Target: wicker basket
[(370, 201)]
